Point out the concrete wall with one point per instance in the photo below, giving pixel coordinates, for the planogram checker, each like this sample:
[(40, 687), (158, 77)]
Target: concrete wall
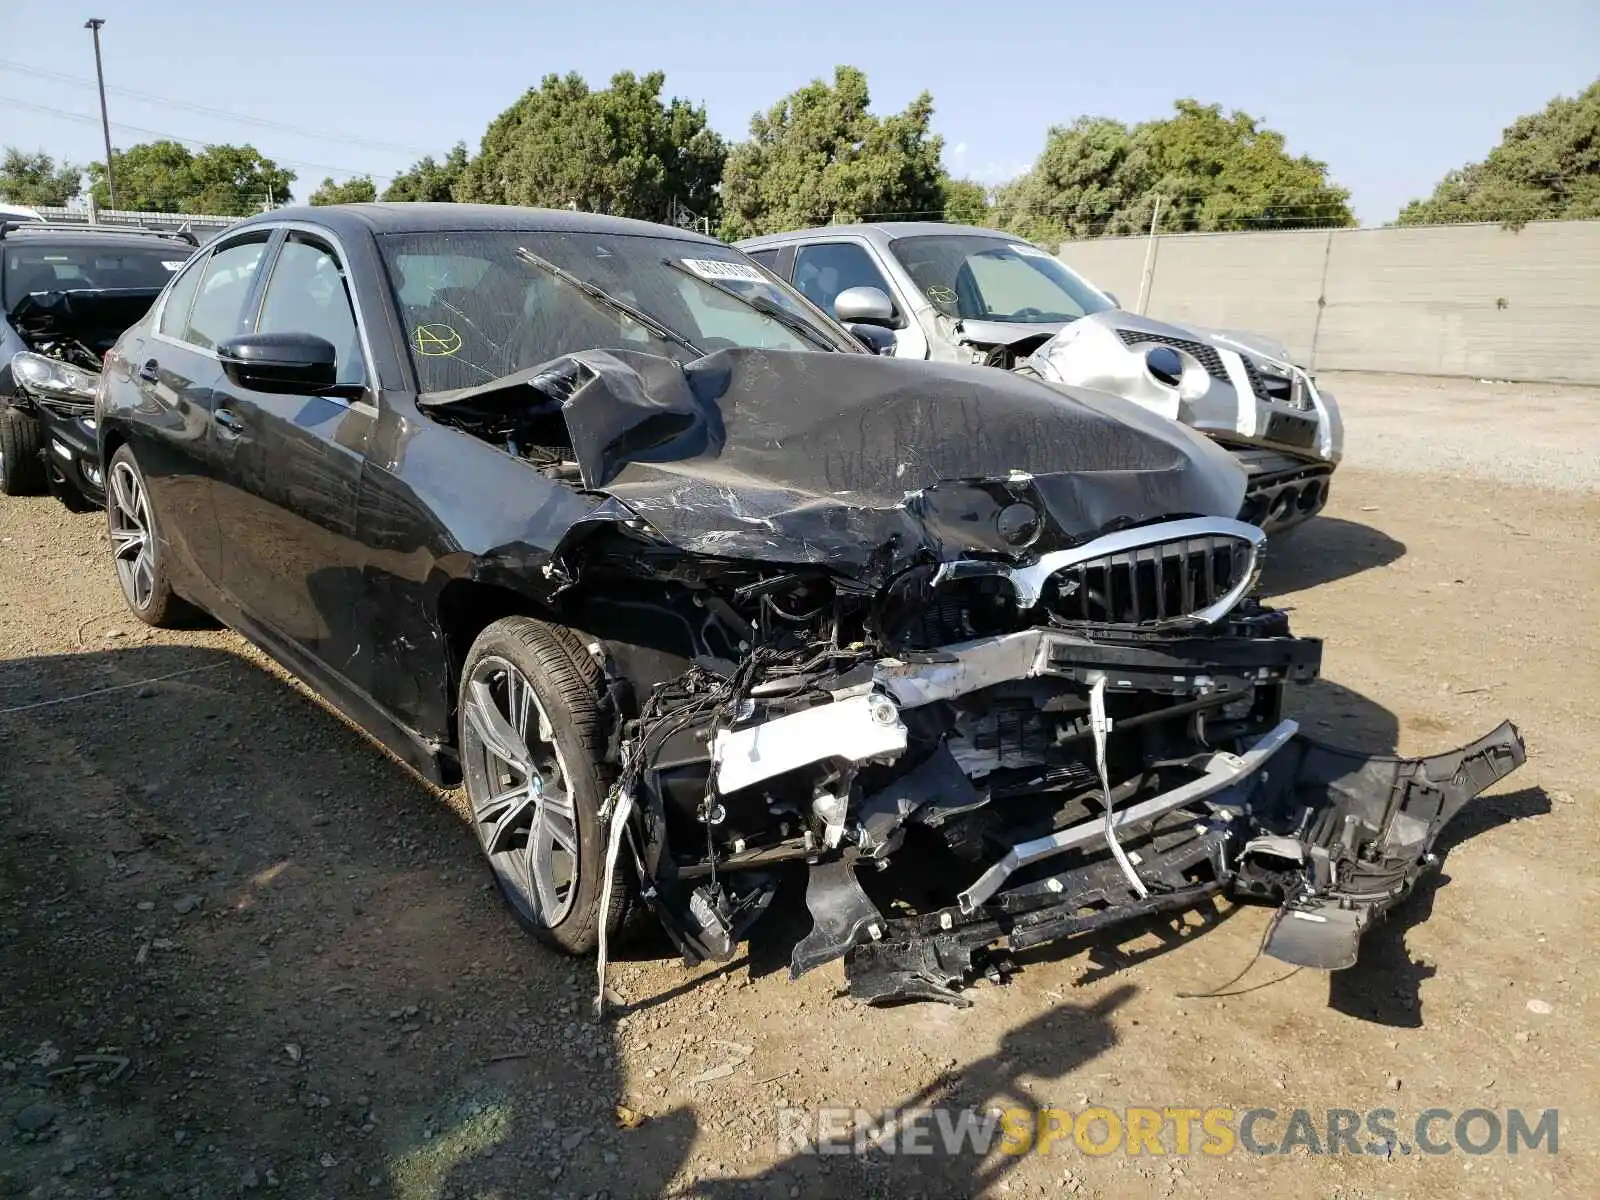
[(1473, 300)]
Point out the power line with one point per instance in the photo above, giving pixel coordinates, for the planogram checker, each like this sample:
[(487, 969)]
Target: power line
[(207, 110), (68, 115)]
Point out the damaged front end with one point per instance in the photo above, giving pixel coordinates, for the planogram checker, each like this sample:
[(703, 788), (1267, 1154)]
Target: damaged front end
[(54, 380), (979, 655)]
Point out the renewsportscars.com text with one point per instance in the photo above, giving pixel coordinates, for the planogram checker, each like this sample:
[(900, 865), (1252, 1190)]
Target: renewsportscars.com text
[(1099, 1130)]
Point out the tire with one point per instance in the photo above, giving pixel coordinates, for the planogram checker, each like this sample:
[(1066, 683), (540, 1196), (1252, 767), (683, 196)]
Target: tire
[(21, 454), (544, 842), (136, 548)]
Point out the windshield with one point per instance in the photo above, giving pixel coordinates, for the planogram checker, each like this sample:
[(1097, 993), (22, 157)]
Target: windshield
[(994, 279), (480, 305), (35, 264)]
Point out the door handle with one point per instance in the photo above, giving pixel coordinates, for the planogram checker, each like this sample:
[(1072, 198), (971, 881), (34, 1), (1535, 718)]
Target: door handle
[(230, 421), (150, 372)]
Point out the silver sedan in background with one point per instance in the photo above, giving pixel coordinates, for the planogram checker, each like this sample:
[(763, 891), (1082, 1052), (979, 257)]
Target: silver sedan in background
[(956, 293)]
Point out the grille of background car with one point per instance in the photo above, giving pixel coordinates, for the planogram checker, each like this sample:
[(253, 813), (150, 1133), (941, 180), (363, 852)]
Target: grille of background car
[(1150, 584), (1205, 355), (1272, 389)]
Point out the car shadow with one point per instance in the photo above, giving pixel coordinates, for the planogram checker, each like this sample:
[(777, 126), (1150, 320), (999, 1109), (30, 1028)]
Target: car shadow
[(1385, 985), (1322, 550), (290, 943), (1336, 715), (1042, 1051)]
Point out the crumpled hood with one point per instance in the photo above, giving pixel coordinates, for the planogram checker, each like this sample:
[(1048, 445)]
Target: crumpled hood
[(94, 316), (1001, 333), (1239, 341), (1242, 339), (861, 463), (1012, 333)]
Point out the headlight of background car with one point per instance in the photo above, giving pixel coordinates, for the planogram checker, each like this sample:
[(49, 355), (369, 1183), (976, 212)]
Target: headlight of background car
[(51, 379)]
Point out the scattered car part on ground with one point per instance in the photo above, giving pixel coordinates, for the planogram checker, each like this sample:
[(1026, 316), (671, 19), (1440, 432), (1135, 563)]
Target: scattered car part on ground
[(956, 293), (66, 293), (690, 590)]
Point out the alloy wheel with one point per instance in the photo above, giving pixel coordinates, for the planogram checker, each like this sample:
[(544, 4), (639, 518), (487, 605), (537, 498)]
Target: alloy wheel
[(131, 546), (520, 793)]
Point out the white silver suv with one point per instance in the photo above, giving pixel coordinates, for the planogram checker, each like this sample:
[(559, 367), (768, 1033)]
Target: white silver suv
[(963, 294)]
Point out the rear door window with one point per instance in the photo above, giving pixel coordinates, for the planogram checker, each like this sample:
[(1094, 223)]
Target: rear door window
[(175, 309), (767, 258)]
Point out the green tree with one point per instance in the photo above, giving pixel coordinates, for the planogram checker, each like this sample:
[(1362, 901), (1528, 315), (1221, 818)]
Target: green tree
[(1212, 171), (429, 180), (359, 190), (38, 179), (966, 202), (165, 176), (619, 151), (819, 156), (1546, 167)]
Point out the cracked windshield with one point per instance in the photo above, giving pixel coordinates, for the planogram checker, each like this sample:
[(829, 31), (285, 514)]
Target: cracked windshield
[(478, 306)]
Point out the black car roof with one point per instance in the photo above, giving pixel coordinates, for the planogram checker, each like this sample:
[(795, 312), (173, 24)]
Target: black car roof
[(453, 218)]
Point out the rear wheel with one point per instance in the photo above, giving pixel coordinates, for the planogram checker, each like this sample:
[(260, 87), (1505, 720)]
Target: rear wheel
[(532, 757), (21, 454), (136, 548)]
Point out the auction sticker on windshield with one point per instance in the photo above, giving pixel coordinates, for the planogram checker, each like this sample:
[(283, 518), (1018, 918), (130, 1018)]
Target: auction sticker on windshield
[(712, 268), (435, 341)]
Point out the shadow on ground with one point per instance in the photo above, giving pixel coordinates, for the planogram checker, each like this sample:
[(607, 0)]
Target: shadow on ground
[(1322, 550), (289, 945), (1385, 985), (1339, 716), (1044, 1051)]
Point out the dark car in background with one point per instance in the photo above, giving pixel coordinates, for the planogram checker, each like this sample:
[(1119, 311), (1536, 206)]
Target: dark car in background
[(66, 293), (603, 520)]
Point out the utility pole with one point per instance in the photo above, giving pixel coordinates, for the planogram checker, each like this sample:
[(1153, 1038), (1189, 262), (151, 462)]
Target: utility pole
[(93, 24), (1146, 277)]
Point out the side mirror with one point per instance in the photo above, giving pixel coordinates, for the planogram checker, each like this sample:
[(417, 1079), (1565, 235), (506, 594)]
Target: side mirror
[(300, 363), (863, 306), (874, 337)]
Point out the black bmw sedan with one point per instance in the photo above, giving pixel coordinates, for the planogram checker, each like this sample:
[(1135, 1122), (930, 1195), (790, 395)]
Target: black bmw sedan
[(608, 523)]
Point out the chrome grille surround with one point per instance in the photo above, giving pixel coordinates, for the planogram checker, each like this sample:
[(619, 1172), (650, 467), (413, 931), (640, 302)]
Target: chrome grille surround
[(1181, 574)]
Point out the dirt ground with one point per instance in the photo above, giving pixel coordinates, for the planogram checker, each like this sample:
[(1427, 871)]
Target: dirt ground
[(244, 952)]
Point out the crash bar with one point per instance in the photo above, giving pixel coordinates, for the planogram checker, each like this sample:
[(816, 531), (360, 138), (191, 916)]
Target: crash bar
[(1222, 770)]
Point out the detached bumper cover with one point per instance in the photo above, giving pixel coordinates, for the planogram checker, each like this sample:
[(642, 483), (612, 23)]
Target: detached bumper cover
[(1333, 837), (1369, 824)]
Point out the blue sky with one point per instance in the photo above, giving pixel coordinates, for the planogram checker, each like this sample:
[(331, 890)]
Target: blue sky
[(1390, 94)]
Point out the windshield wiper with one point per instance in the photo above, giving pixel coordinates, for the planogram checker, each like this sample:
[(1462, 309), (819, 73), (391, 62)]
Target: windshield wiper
[(763, 306), (595, 292)]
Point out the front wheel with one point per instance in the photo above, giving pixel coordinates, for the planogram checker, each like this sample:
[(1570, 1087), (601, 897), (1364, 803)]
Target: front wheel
[(21, 454), (532, 757)]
